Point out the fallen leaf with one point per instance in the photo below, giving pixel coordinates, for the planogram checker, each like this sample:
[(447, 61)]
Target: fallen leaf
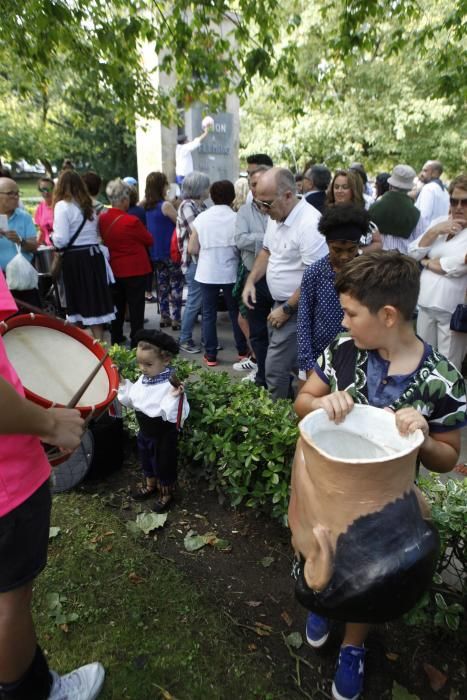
[(436, 678), (253, 603), (193, 541), (64, 627), (391, 656), (267, 561), (294, 640), (263, 630), (287, 619), (107, 548), (401, 693), (107, 534), (222, 545), (53, 532), (252, 647), (134, 578), (150, 521)]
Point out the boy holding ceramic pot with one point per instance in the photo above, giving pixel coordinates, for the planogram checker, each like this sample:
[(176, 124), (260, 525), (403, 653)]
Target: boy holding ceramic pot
[(381, 362)]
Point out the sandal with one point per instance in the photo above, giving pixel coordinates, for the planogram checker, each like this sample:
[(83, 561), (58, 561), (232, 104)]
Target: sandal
[(145, 492), (163, 504)]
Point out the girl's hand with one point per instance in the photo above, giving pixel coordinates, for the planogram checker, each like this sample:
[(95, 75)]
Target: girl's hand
[(337, 405), (409, 419), (177, 390)]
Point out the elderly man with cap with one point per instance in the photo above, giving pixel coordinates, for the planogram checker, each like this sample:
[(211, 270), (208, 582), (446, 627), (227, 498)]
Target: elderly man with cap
[(433, 200), (395, 214)]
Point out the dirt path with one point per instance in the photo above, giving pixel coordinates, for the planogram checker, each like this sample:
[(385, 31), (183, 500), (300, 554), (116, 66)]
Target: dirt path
[(251, 583)]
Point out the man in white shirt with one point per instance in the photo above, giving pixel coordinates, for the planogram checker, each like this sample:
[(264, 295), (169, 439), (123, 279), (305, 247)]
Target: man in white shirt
[(291, 242), (433, 200), (183, 158)]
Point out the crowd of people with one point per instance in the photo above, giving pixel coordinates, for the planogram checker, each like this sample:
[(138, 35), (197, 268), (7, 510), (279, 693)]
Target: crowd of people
[(297, 261)]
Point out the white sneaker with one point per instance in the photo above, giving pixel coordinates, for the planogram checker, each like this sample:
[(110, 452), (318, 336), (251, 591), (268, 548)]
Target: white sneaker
[(85, 683), (244, 365), (250, 377)]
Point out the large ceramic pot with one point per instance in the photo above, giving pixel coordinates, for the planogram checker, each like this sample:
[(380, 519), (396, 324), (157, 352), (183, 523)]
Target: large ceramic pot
[(360, 528)]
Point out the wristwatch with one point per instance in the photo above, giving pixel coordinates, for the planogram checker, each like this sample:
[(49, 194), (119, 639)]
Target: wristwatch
[(288, 309)]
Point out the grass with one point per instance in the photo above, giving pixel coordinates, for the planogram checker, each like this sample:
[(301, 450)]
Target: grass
[(106, 596)]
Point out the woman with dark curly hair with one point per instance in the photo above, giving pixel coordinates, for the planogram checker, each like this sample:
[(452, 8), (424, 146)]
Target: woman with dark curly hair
[(319, 311)]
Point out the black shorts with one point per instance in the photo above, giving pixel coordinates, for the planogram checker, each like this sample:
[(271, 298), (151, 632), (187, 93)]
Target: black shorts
[(24, 539)]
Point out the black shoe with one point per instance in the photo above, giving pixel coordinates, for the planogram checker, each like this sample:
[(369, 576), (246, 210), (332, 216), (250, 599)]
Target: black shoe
[(162, 506)]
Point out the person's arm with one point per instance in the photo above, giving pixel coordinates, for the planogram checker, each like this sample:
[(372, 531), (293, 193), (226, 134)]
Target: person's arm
[(28, 245), (245, 239), (424, 203), (193, 242), (278, 316), (258, 271), (440, 451), (62, 427), (316, 393), (169, 210), (305, 330), (142, 233), (62, 233)]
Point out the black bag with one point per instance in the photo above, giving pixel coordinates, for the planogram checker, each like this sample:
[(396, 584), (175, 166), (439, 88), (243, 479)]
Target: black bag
[(459, 319)]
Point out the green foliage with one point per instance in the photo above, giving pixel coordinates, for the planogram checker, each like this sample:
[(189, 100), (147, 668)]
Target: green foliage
[(367, 88), (240, 440), (442, 605)]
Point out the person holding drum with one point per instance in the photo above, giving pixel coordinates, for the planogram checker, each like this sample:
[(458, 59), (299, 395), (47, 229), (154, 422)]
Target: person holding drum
[(161, 407), (24, 532), (88, 296)]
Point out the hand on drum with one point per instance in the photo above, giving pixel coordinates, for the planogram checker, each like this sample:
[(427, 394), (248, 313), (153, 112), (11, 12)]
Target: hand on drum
[(337, 405), (409, 419), (67, 429)]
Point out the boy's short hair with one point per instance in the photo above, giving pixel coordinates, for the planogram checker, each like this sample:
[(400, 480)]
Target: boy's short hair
[(380, 279)]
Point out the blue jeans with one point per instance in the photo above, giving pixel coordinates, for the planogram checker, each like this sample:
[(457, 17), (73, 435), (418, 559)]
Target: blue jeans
[(193, 304), (210, 296)]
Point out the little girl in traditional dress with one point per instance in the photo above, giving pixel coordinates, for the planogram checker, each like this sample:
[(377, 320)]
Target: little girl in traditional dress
[(159, 407)]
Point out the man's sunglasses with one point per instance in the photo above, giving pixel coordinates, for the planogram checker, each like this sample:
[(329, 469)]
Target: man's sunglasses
[(46, 189), (262, 204), (455, 202)]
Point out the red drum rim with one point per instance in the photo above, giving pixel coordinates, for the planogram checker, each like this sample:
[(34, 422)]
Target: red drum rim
[(93, 345)]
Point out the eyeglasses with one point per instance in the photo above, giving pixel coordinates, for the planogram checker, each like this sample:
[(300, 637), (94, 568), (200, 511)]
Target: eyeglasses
[(262, 204), (45, 189), (12, 193), (456, 202)]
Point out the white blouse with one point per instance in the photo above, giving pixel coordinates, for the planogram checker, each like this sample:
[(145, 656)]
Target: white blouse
[(442, 292), (218, 255), (154, 400), (68, 217)]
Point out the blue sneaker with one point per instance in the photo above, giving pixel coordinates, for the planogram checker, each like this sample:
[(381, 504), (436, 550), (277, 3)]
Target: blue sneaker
[(317, 630), (348, 681)]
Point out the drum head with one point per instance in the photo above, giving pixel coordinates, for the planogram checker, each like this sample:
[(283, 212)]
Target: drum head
[(72, 471), (53, 359)]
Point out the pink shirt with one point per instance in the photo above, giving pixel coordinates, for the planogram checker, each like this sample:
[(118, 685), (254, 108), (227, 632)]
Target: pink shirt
[(23, 464), (44, 218)]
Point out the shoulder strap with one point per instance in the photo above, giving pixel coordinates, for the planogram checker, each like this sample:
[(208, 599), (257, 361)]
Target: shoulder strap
[(112, 223), (74, 236)]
